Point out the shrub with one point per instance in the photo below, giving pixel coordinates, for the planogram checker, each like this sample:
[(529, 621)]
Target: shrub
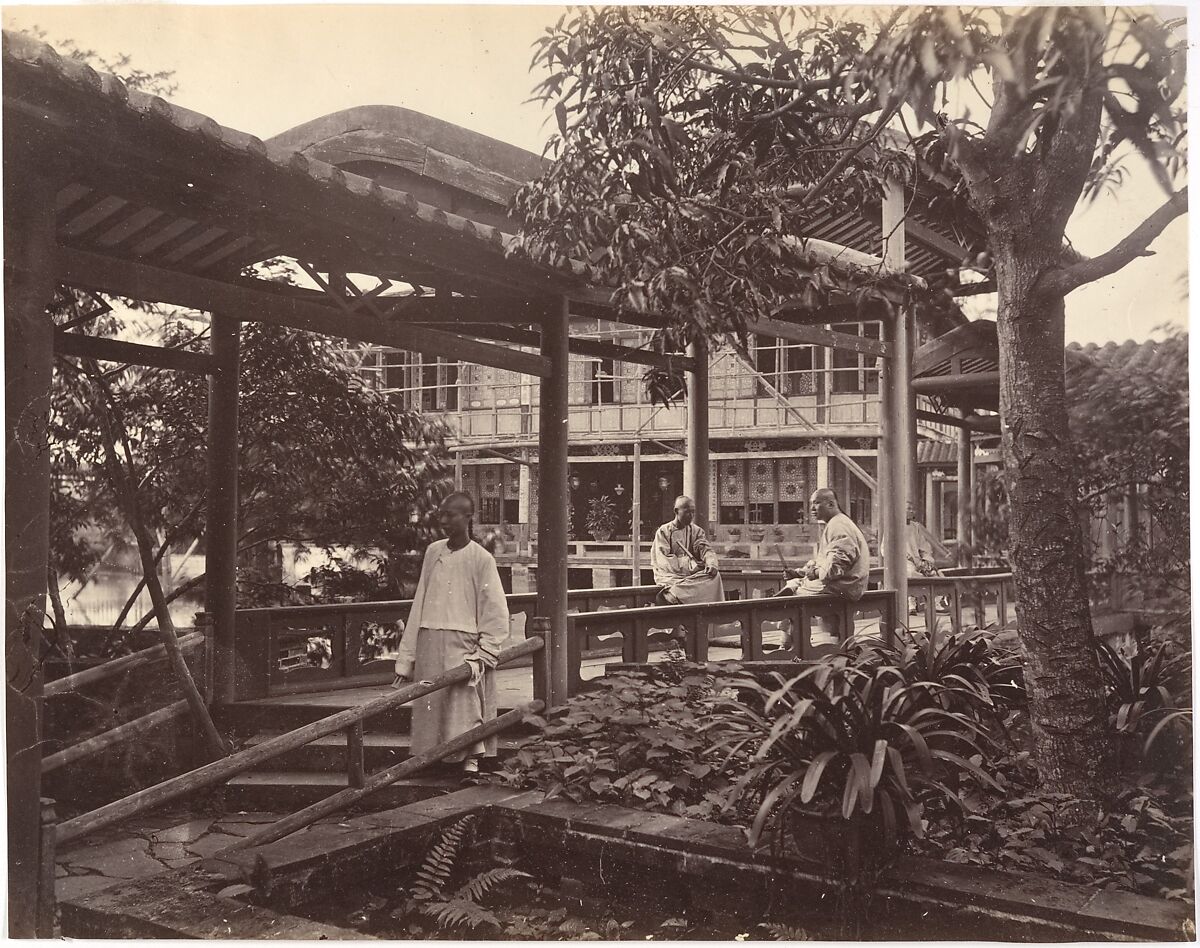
[(636, 740), (964, 671), (851, 739), (1145, 692)]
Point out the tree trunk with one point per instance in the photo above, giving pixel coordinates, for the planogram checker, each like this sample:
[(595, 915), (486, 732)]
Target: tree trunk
[(1062, 671), (122, 483), (62, 635)]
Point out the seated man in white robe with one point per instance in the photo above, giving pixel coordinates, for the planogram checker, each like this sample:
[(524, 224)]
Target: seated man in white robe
[(840, 568), (684, 564)]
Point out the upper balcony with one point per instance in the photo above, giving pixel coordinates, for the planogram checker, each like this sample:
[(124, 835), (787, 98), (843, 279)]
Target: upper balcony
[(785, 389)]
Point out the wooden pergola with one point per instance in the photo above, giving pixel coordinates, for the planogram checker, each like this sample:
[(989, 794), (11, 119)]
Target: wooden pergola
[(116, 192)]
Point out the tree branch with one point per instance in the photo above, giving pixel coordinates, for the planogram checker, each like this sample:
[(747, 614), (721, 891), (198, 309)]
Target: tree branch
[(1063, 281)]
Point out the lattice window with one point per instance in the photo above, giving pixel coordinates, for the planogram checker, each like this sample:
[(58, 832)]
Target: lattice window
[(490, 480), (761, 482), (732, 483)]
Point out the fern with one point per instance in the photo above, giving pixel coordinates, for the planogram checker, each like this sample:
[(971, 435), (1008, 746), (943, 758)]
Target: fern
[(434, 874), (430, 895), (780, 932), (456, 912), (478, 886)]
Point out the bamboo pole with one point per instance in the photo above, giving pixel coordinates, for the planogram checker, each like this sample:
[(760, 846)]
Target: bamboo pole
[(97, 673), (221, 770), (352, 795), (114, 736)]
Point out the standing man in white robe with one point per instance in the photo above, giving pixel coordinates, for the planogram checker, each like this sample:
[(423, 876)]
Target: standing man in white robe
[(684, 564), (459, 615)]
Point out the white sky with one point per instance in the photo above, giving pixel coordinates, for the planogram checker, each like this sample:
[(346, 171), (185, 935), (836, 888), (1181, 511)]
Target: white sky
[(264, 69)]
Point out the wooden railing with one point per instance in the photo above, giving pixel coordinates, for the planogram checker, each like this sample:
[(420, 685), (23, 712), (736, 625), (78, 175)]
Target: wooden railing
[(796, 617), (969, 599), (296, 649), (130, 729), (349, 721)]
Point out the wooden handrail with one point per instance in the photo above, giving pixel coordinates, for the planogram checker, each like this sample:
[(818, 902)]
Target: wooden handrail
[(221, 770), (384, 778), (90, 676), (113, 736)]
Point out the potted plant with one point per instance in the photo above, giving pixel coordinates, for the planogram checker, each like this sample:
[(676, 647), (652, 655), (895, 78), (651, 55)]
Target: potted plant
[(601, 517)]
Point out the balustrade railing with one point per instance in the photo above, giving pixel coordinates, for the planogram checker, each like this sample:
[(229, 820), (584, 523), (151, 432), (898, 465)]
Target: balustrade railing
[(297, 649), (796, 618)]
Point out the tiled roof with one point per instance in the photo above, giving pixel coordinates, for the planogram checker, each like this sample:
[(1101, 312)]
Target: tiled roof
[(938, 453), (22, 52), (1167, 359)]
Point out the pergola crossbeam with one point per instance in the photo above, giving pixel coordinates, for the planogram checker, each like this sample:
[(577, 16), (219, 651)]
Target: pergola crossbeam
[(129, 353), (588, 347), (814, 335), (151, 284)]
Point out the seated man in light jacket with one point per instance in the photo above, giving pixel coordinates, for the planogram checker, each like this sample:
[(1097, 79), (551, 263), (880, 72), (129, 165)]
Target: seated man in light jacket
[(841, 566)]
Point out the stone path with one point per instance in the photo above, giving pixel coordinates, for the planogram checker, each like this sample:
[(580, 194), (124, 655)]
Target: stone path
[(154, 844)]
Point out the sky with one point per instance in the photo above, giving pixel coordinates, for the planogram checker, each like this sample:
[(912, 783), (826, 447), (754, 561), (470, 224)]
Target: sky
[(264, 69)]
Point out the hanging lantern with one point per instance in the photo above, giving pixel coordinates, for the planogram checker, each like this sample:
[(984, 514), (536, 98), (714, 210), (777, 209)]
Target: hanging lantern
[(575, 482), (664, 483)]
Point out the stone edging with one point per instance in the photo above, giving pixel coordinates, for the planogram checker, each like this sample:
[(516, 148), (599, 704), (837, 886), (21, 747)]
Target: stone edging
[(203, 901)]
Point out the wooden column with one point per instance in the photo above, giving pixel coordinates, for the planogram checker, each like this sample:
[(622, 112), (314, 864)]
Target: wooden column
[(220, 600), (896, 426), (458, 470), (966, 492), (29, 276), (822, 469), (915, 487), (553, 490), (893, 456), (931, 518), (636, 518), (696, 464)]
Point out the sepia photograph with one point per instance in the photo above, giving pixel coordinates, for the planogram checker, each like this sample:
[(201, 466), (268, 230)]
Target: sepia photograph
[(606, 473)]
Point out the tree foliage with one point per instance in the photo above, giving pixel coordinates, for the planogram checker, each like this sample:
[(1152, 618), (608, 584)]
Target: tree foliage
[(324, 459), (696, 146)]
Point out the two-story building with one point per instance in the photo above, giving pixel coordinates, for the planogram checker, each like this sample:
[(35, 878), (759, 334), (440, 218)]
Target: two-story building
[(791, 417)]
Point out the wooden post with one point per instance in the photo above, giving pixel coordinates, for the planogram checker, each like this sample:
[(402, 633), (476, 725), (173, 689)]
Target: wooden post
[(696, 464), (895, 395), (539, 626), (356, 774), (636, 517), (553, 490), (47, 910), (222, 529), (458, 470), (29, 274), (383, 778), (966, 493), (931, 520), (915, 492)]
